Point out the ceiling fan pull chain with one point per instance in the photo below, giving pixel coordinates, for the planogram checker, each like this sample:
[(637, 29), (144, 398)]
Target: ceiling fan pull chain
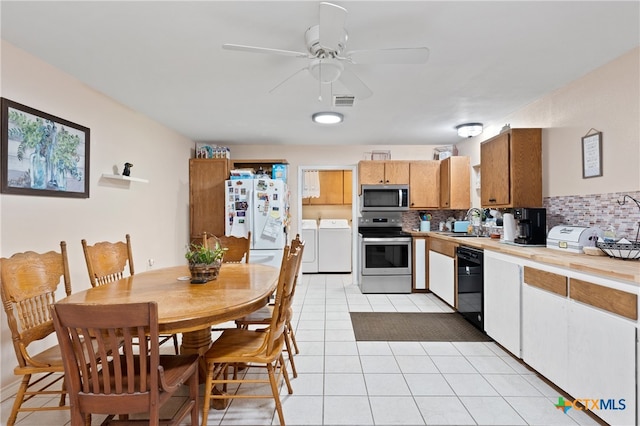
[(320, 82)]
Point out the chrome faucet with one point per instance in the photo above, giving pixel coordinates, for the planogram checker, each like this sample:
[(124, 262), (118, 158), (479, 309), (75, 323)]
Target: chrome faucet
[(477, 229), (474, 210)]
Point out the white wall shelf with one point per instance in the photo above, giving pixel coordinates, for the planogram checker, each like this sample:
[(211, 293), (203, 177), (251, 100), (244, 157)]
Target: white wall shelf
[(120, 177)]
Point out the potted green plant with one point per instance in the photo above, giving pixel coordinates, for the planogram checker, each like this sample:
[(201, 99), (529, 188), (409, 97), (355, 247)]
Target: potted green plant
[(204, 261)]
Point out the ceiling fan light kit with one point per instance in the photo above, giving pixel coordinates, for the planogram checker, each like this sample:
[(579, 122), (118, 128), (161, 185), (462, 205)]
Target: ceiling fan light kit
[(326, 70), (469, 130), (327, 117)]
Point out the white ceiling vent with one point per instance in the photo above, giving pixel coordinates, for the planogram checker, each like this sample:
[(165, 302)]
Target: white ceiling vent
[(343, 100)]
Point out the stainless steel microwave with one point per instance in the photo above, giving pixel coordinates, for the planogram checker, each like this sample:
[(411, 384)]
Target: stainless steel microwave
[(384, 198)]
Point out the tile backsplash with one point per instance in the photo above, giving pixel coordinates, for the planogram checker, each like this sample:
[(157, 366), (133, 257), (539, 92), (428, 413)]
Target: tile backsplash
[(597, 210)]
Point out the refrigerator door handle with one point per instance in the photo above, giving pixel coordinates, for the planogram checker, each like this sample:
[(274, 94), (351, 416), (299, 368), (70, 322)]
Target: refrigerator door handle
[(252, 213)]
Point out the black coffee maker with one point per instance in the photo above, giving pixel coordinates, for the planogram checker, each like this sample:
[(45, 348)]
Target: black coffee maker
[(531, 226)]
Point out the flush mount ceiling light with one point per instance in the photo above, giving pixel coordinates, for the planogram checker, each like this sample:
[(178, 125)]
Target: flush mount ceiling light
[(469, 130), (327, 117)]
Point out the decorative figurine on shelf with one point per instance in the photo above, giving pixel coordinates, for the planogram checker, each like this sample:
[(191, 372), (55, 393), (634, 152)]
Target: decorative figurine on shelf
[(127, 169)]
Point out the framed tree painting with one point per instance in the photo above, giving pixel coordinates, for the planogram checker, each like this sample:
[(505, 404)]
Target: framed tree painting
[(42, 154)]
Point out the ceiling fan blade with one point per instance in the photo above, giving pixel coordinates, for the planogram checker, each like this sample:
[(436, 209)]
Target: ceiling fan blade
[(255, 49), (288, 78), (401, 55), (354, 84), (331, 26)]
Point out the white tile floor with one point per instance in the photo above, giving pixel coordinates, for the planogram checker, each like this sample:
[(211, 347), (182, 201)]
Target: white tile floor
[(344, 382)]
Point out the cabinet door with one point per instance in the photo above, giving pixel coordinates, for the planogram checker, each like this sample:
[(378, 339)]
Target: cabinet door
[(445, 183), (371, 172), (455, 186), (502, 284), (602, 361), (424, 185), (494, 168), (545, 333), (331, 188), (347, 188), (442, 276), (206, 195), (396, 172)]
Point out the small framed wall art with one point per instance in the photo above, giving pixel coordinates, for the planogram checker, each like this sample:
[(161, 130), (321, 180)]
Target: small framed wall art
[(592, 154), (42, 154)]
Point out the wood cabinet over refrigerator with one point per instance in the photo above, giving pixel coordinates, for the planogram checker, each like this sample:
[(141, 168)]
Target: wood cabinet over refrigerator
[(206, 196), (511, 169)]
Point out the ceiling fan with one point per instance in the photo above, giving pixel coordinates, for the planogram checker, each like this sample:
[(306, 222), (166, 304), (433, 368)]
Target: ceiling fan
[(328, 59)]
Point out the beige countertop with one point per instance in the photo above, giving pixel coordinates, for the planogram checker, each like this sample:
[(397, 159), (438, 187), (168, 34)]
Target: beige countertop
[(625, 270)]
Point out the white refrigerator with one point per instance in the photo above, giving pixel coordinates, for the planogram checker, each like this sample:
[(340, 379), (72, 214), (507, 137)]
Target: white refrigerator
[(260, 206)]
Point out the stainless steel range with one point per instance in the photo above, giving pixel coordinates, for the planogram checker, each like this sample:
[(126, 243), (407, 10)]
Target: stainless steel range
[(385, 253)]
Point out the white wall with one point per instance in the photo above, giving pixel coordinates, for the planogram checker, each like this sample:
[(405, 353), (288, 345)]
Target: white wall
[(606, 99), (156, 214)]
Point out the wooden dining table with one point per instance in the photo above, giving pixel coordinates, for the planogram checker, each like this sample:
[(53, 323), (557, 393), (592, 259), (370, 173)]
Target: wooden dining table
[(190, 309)]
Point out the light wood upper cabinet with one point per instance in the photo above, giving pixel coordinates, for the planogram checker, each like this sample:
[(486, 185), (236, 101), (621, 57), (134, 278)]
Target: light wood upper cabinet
[(383, 172), (511, 169), (347, 186), (206, 196), (455, 192), (335, 188), (424, 178)]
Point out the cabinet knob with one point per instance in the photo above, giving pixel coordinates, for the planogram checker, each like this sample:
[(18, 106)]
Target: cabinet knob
[(492, 200)]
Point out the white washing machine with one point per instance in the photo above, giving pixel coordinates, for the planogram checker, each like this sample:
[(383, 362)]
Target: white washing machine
[(310, 252), (334, 246)]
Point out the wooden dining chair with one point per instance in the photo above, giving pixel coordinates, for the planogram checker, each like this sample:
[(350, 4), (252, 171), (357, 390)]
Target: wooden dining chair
[(238, 248), (28, 283), (262, 316), (100, 382), (106, 262), (253, 348)]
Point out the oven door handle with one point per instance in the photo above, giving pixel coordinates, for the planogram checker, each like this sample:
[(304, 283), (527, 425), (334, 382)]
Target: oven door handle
[(386, 240)]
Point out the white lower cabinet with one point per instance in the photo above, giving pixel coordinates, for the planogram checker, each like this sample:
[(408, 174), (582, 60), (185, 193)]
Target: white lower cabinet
[(502, 288), (578, 331), (602, 362), (442, 276), (545, 334)]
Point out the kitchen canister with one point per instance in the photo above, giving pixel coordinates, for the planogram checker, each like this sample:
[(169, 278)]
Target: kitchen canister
[(425, 226)]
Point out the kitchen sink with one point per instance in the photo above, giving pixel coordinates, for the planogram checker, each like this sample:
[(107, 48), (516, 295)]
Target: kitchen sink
[(456, 234)]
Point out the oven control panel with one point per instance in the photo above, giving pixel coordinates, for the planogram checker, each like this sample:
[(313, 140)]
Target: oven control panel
[(383, 220)]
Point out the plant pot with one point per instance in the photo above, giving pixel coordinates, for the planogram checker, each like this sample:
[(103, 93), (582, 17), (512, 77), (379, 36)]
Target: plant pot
[(202, 273)]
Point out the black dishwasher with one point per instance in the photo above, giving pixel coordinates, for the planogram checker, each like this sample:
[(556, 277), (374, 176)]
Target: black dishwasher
[(470, 285)]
